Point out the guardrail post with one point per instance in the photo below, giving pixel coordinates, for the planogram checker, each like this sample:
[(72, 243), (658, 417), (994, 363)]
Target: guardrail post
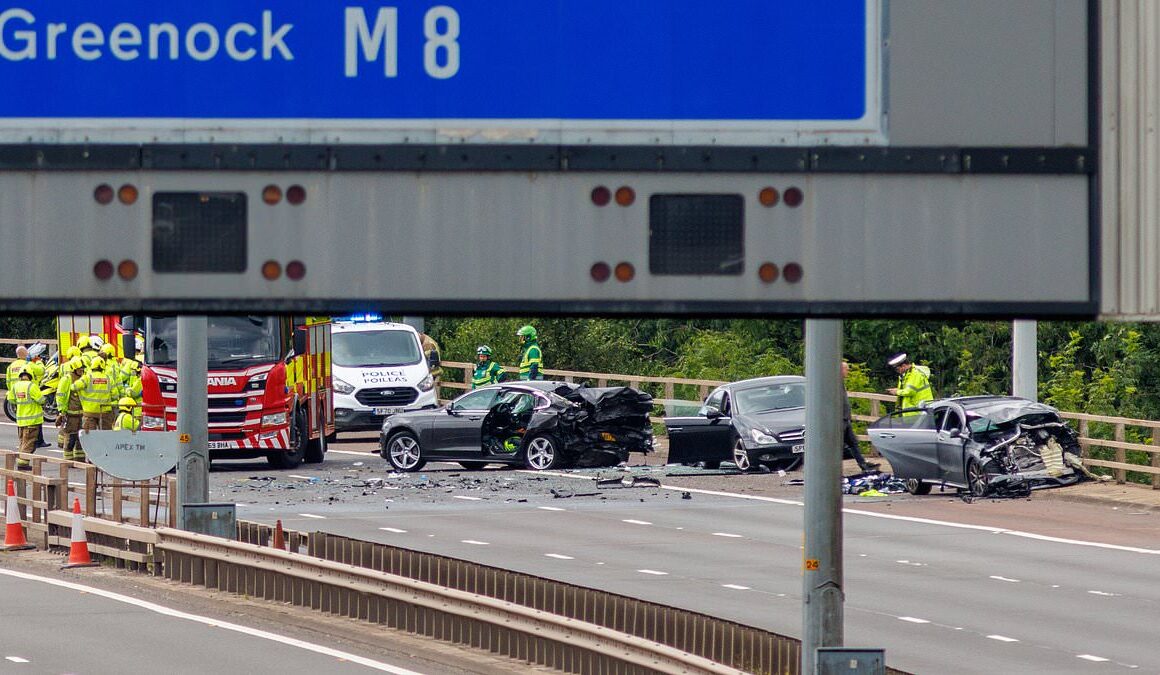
[(669, 390), (117, 496), (1121, 455), (91, 490), (1084, 444), (1156, 458)]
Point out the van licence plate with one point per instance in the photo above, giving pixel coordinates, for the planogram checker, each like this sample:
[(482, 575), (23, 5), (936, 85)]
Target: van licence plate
[(387, 411), (799, 448)]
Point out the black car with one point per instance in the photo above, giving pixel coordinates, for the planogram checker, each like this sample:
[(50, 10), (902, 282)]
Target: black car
[(540, 424), (984, 444), (751, 422)]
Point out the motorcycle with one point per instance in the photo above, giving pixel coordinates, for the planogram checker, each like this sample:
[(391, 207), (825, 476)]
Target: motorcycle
[(48, 385)]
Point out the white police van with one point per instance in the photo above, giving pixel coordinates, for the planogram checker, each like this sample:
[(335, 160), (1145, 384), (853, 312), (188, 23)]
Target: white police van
[(379, 369)]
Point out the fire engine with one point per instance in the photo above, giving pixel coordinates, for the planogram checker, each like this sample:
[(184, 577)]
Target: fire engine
[(269, 380)]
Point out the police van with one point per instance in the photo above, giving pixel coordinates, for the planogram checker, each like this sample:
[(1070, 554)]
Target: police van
[(379, 369)]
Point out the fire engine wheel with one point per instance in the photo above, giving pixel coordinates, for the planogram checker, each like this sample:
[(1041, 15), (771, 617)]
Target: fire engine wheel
[(316, 449), (404, 453), (292, 457)]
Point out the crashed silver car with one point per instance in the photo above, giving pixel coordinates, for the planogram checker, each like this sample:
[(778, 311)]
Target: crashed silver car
[(988, 445)]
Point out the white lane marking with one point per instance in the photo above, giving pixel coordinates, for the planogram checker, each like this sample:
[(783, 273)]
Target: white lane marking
[(393, 529), (1105, 594), (559, 556), (471, 499), (911, 563), (999, 578), (912, 619), (735, 587), (474, 542), (636, 522), (214, 623), (294, 475), (656, 572), (311, 515), (15, 659), (890, 516), (549, 508), (1001, 638), (1090, 657), (726, 534)]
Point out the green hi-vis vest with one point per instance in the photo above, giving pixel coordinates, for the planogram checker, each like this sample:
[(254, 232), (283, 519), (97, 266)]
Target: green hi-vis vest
[(485, 374), (532, 355), (29, 403)]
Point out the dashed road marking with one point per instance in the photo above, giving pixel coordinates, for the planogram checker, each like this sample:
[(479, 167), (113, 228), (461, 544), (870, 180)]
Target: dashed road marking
[(393, 529), (999, 578), (471, 499), (636, 522), (1090, 657), (15, 659), (912, 619), (911, 563), (549, 508), (735, 587), (1105, 594), (727, 534), (1001, 638), (311, 515), (474, 542), (656, 572), (559, 556), (299, 477)]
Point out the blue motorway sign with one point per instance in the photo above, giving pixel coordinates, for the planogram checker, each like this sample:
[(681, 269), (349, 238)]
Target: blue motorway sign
[(646, 60)]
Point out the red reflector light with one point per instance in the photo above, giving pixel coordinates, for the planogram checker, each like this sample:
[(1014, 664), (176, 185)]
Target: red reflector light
[(103, 194), (271, 270), (295, 194), (625, 196), (794, 197), (767, 272), (127, 270), (793, 272), (271, 194), (625, 272), (600, 272), (127, 194), (768, 197), (103, 270), (601, 195), (295, 270)]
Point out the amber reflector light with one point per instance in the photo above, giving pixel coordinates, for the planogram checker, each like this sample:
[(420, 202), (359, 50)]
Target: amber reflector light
[(127, 194), (767, 272), (625, 272), (127, 270), (625, 196), (271, 270), (271, 194), (768, 197)]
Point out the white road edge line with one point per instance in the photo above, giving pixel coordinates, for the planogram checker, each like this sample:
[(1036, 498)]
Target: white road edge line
[(311, 515), (912, 619), (1001, 638), (470, 499), (890, 516), (656, 572), (549, 508), (214, 623), (393, 529), (727, 534), (15, 659)]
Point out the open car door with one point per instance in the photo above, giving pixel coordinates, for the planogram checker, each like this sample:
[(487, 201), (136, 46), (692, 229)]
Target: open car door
[(706, 437)]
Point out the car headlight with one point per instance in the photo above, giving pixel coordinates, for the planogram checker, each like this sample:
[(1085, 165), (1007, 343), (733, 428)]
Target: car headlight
[(342, 387), (761, 438), (427, 384), (275, 420)]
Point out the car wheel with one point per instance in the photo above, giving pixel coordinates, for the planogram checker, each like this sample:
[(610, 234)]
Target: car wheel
[(473, 466), (741, 456), (543, 453), (291, 458), (978, 479), (917, 487), (404, 453)]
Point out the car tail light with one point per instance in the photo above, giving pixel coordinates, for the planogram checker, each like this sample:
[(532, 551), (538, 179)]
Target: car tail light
[(271, 194), (625, 196), (103, 194), (600, 272), (794, 197), (625, 272), (295, 270), (103, 270), (767, 272), (271, 270), (127, 270), (768, 197), (296, 194), (601, 195), (793, 272)]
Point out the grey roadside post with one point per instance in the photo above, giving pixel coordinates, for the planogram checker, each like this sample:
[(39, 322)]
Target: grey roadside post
[(192, 415)]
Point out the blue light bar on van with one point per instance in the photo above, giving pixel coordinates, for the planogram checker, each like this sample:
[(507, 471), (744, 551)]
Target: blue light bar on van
[(362, 318)]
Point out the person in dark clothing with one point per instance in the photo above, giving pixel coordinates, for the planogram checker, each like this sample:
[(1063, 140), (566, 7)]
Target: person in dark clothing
[(850, 446)]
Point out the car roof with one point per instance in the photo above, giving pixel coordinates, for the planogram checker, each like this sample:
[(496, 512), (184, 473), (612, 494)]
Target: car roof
[(541, 385), (764, 381)]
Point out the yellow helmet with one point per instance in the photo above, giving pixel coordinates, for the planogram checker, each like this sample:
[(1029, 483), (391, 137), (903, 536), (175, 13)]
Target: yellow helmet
[(108, 350), (97, 363), (83, 342), (127, 404), (133, 365), (72, 352), (75, 363)]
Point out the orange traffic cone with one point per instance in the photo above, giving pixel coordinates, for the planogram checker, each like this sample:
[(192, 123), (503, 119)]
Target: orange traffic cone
[(14, 529), (279, 538), (78, 550)]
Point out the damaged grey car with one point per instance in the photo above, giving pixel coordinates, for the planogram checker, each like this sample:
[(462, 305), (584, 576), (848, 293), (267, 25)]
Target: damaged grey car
[(540, 424), (987, 445)]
